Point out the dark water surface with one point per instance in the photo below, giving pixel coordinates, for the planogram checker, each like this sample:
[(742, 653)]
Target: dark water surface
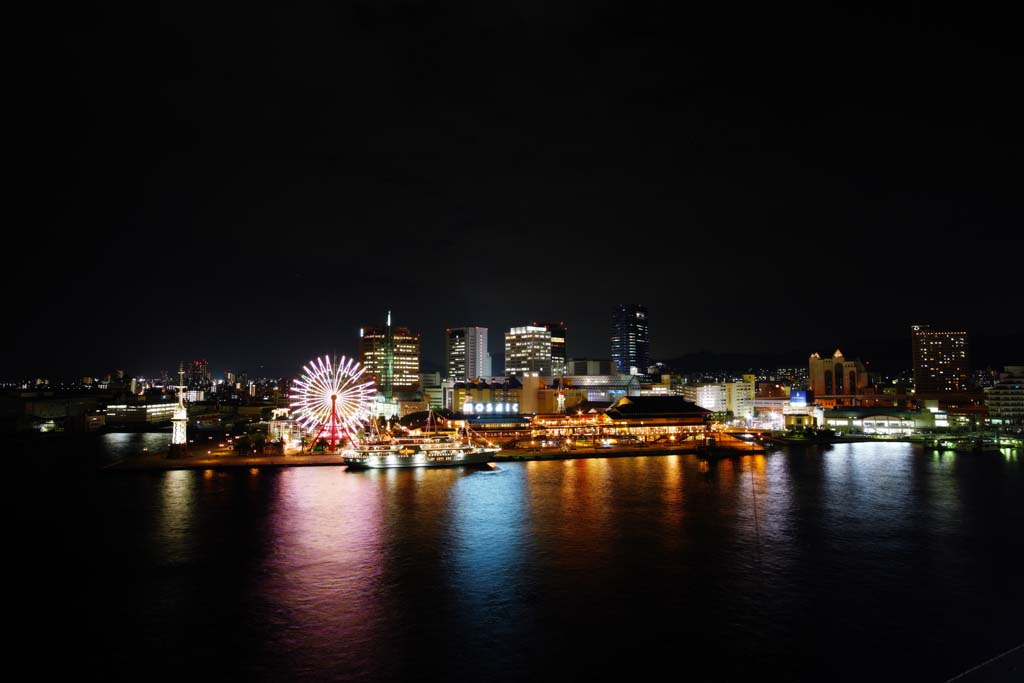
[(852, 562)]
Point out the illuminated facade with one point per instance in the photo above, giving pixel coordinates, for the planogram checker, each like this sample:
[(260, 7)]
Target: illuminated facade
[(528, 394), (391, 357), (604, 388), (941, 361), (739, 397), (880, 421), (141, 413), (433, 390), (630, 419), (528, 349), (199, 375), (1005, 399), (630, 340), (712, 396), (180, 419), (836, 380), (466, 355), (558, 357)]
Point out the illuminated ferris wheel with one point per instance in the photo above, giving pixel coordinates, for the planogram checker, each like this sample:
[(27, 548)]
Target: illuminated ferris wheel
[(331, 399)]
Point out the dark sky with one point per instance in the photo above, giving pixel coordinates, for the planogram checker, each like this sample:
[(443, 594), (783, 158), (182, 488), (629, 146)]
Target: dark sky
[(251, 186)]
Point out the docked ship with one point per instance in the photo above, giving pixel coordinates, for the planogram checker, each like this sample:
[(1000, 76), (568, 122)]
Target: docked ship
[(433, 449)]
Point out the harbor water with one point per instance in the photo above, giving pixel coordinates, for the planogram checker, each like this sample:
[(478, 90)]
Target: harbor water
[(867, 561)]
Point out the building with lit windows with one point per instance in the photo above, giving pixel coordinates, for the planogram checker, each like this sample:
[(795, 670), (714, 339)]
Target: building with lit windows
[(941, 361), (391, 357), (199, 375), (1005, 399), (528, 349), (466, 355), (558, 357), (604, 388), (836, 380), (433, 390), (879, 421), (630, 340), (721, 397), (710, 396), (739, 397), (140, 413), (528, 394)]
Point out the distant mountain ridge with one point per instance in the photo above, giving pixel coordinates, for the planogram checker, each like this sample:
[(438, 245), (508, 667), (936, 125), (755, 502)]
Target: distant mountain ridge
[(880, 355)]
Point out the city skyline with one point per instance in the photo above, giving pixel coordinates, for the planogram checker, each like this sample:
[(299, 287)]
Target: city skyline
[(892, 354)]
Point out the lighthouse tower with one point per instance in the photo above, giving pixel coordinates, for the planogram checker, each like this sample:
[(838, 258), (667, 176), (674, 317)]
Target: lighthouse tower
[(179, 442)]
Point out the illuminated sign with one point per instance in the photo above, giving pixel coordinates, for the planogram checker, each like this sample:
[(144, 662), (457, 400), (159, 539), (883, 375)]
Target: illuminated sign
[(471, 408)]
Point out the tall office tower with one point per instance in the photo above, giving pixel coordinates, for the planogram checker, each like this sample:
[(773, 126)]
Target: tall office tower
[(199, 376), (941, 361), (558, 358), (630, 341), (391, 356), (528, 349), (466, 355)]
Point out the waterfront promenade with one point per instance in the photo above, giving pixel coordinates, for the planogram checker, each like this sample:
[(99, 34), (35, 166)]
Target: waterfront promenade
[(224, 458)]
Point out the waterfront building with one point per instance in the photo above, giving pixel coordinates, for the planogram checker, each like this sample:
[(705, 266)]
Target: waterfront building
[(1005, 398), (479, 397), (879, 421), (528, 349), (141, 413), (466, 355), (391, 357), (631, 419), (558, 357), (837, 380), (652, 416), (630, 340), (941, 361)]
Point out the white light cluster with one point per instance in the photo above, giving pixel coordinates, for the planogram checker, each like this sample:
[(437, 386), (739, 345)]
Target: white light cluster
[(470, 408), (323, 378)]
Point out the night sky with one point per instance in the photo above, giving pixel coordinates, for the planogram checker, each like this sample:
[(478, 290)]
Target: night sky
[(251, 187)]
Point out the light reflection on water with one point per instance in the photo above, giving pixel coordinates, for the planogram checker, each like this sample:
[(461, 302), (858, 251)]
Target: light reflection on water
[(806, 565)]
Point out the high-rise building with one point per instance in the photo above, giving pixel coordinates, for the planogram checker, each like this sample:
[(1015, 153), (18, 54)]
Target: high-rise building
[(941, 361), (558, 357), (466, 355), (528, 349), (199, 376), (391, 356), (630, 340), (1005, 398)]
